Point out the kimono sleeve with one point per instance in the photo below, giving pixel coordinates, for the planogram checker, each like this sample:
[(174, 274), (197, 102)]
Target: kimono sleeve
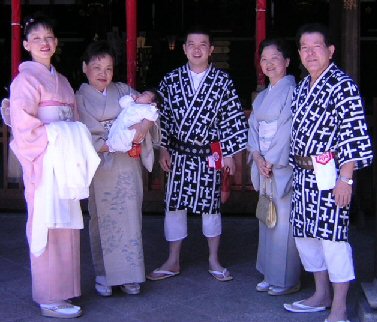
[(95, 127), (292, 131), (278, 153), (30, 136), (354, 143), (253, 138), (233, 125), (166, 120)]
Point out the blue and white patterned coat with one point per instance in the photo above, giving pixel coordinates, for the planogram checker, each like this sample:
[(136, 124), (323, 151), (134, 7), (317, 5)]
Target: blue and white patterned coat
[(190, 120), (329, 116)]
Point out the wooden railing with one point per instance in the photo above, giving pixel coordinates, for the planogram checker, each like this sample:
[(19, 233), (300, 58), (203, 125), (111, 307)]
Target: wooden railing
[(11, 192), (242, 199)]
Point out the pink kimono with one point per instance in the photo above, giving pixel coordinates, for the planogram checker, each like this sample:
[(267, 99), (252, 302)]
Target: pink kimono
[(35, 93)]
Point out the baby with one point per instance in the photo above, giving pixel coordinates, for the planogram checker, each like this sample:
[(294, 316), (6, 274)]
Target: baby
[(134, 110)]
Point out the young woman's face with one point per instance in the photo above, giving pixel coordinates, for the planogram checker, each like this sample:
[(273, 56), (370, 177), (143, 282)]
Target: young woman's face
[(99, 71), (273, 64), (41, 43)]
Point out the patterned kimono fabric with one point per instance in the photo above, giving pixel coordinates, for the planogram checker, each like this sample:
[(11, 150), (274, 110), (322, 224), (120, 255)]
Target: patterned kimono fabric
[(277, 257), (116, 193), (56, 273), (327, 117), (190, 120)]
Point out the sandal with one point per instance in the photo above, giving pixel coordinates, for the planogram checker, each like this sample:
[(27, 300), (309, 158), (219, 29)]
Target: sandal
[(130, 288), (101, 287), (159, 274), (223, 276), (63, 310)]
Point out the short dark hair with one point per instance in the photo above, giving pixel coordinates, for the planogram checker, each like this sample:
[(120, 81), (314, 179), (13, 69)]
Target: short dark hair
[(98, 49), (312, 28), (157, 96), (201, 30), (37, 20), (280, 44)]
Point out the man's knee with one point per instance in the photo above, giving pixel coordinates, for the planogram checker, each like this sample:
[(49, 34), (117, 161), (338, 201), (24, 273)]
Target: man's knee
[(175, 225), (211, 225), (339, 261)]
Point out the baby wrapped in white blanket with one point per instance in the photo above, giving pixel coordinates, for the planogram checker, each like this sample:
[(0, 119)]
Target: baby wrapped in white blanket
[(134, 110)]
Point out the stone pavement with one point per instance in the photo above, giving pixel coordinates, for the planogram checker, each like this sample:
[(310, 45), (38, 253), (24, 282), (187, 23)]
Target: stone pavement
[(192, 296)]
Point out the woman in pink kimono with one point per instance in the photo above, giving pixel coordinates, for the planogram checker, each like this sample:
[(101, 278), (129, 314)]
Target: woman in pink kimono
[(116, 193), (39, 89)]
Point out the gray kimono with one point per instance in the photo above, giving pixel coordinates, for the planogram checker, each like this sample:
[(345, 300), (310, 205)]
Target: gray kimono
[(269, 133)]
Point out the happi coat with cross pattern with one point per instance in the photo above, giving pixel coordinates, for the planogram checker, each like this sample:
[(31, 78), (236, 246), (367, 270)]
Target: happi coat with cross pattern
[(191, 119), (329, 116)]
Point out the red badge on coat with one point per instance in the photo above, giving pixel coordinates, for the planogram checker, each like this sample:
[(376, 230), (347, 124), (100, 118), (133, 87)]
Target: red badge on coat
[(215, 160)]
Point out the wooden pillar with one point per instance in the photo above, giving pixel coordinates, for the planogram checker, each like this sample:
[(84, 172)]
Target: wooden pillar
[(16, 37), (351, 38), (260, 35), (131, 25)]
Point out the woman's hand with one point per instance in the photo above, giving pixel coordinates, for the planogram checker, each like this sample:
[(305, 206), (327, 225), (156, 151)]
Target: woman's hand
[(165, 160), (104, 148), (142, 129), (342, 193), (264, 166)]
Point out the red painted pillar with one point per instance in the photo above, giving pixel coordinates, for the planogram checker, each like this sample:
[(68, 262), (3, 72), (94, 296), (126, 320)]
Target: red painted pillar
[(131, 24), (16, 37), (260, 35)]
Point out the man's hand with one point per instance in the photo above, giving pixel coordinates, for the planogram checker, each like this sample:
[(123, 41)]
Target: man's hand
[(342, 193), (165, 160), (142, 129), (229, 163)]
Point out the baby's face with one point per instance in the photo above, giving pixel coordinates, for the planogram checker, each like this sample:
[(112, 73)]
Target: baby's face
[(145, 98)]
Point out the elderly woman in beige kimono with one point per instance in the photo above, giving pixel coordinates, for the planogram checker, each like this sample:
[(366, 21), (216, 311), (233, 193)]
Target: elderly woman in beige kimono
[(268, 143), (116, 194)]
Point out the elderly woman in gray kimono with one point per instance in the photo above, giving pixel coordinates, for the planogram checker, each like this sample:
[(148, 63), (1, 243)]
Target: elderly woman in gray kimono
[(268, 143), (116, 193)]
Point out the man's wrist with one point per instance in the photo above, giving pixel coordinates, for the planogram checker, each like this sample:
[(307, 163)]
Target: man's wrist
[(346, 180)]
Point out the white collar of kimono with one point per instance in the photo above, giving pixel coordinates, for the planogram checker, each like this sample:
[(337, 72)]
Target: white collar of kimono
[(270, 86), (104, 93), (197, 78)]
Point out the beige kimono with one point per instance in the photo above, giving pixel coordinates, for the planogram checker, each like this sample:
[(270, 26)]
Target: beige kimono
[(116, 194)]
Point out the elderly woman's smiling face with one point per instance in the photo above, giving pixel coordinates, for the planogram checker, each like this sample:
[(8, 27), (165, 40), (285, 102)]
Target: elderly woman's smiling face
[(315, 54), (99, 71)]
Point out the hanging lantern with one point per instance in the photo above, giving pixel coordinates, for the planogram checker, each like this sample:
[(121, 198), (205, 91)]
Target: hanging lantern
[(171, 41)]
